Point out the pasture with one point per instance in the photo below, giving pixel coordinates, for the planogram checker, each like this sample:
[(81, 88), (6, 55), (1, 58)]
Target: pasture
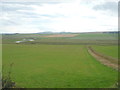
[(108, 50), (57, 62)]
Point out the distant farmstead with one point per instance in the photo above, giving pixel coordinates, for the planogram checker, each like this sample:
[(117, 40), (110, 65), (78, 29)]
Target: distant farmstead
[(17, 42), (24, 40)]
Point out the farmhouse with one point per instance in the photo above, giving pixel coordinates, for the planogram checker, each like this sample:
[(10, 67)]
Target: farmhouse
[(17, 42), (24, 40)]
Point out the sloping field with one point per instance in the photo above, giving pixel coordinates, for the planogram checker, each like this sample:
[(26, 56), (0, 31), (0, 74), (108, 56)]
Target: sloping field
[(56, 66), (108, 50), (96, 36)]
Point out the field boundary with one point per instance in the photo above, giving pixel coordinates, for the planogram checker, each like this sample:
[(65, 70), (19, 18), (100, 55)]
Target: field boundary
[(65, 43), (110, 62)]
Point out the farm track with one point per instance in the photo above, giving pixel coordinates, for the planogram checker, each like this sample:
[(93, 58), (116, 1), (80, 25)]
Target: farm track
[(110, 62)]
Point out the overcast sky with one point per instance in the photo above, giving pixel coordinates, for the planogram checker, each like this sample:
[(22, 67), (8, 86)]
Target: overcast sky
[(31, 16)]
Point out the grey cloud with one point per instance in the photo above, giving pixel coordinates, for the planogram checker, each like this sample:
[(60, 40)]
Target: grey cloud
[(34, 2), (42, 1), (28, 14), (118, 9), (8, 23), (111, 6), (14, 7)]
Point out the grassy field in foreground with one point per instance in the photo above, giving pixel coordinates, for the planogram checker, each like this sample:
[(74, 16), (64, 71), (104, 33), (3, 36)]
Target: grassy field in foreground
[(56, 66), (107, 50)]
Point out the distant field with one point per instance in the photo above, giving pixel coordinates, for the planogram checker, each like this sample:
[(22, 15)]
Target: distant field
[(87, 38), (108, 50), (56, 66), (61, 35), (96, 36)]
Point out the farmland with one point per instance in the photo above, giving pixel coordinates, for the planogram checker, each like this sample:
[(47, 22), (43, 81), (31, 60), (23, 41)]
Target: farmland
[(108, 50), (59, 62)]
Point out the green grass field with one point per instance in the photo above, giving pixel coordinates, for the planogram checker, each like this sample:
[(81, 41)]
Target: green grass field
[(96, 36), (108, 50), (56, 66)]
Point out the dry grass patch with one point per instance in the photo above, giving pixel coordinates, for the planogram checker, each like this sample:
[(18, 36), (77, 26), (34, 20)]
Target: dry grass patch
[(61, 35)]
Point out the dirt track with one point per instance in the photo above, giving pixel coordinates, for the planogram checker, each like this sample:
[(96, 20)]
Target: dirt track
[(102, 59)]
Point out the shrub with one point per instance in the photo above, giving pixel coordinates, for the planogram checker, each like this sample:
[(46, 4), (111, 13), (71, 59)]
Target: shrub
[(7, 81)]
